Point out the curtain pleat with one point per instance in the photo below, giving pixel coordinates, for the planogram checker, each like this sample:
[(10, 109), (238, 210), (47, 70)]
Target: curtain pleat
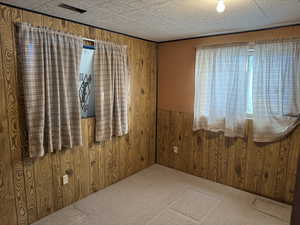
[(50, 68), (111, 90)]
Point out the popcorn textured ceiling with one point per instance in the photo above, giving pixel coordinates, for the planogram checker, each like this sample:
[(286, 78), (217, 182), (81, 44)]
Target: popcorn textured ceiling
[(162, 20)]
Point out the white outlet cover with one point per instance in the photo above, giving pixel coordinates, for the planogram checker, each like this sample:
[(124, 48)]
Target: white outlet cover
[(65, 179), (175, 149)]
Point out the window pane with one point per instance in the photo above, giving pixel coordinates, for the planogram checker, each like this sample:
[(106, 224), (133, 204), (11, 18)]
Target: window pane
[(86, 84)]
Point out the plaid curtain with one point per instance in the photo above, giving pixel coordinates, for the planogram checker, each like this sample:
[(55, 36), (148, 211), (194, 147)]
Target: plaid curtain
[(111, 90), (50, 68)]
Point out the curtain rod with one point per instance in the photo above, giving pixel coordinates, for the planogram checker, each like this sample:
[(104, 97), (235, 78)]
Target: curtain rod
[(87, 39), (92, 40), (221, 44)]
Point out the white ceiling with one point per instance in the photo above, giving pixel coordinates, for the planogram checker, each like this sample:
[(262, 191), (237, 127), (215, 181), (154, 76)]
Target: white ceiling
[(162, 20)]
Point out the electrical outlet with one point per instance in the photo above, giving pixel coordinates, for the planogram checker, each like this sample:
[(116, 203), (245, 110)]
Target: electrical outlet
[(65, 179), (175, 149)]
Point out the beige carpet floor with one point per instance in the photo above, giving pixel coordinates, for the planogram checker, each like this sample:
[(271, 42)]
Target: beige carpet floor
[(163, 196)]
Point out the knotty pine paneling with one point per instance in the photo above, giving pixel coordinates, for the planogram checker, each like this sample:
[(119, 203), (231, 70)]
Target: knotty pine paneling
[(266, 169), (31, 189)]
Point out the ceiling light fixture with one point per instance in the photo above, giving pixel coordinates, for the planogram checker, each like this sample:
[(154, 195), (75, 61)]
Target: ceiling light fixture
[(221, 6)]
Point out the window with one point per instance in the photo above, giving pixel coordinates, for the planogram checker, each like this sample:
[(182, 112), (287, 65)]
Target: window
[(236, 82), (86, 83), (221, 89)]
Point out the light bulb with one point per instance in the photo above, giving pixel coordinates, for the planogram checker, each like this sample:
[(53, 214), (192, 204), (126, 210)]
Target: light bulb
[(221, 6)]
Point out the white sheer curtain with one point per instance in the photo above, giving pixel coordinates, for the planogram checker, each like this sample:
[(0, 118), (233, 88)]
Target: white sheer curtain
[(221, 83), (276, 89)]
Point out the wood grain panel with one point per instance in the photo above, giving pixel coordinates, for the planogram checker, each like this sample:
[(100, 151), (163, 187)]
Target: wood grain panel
[(43, 180), (82, 167), (7, 198), (199, 156), (10, 76), (292, 165), (31, 189), (29, 165), (266, 169)]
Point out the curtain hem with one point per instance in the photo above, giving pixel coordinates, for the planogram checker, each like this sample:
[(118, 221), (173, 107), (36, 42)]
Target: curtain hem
[(278, 136)]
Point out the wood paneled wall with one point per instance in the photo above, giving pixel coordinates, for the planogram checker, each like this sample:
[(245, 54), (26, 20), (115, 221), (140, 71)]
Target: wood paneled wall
[(266, 169), (32, 189)]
